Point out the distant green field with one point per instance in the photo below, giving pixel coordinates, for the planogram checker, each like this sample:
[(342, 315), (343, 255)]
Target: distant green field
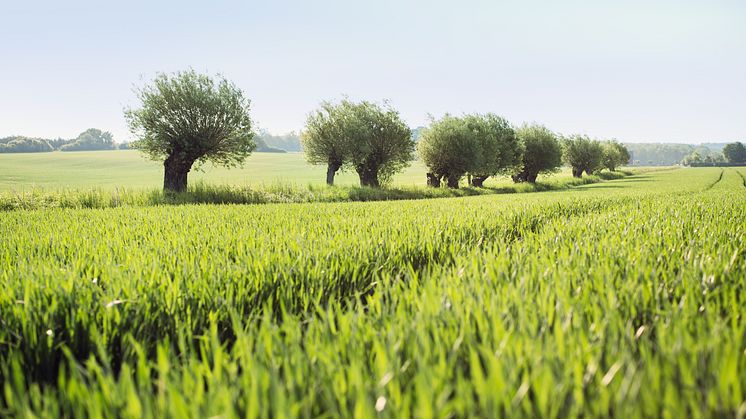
[(129, 169)]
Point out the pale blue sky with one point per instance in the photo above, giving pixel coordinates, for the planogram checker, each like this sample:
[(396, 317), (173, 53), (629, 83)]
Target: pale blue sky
[(633, 70)]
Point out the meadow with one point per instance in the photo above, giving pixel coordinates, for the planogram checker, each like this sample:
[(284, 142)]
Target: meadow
[(620, 298), (128, 169), (104, 179)]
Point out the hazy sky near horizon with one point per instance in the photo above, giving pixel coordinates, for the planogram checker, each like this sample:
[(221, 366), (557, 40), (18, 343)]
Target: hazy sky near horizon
[(641, 71)]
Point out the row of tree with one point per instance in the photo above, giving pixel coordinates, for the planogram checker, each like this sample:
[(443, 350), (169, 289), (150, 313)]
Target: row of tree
[(90, 139), (372, 140), (187, 118)]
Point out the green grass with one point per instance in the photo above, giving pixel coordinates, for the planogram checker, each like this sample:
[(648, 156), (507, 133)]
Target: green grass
[(128, 170), (622, 298)]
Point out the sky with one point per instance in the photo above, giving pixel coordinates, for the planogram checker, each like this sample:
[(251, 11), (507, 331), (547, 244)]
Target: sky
[(637, 71)]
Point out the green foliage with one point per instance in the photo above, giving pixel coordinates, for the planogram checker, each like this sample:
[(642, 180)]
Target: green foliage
[(188, 117), (542, 152), (18, 144), (327, 136), (735, 152), (583, 154), (623, 300), (203, 193), (89, 140), (449, 148), (667, 154), (381, 144), (371, 139), (500, 151), (615, 155), (478, 145)]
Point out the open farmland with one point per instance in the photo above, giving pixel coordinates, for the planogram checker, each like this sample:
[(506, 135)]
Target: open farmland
[(621, 298), (131, 170)]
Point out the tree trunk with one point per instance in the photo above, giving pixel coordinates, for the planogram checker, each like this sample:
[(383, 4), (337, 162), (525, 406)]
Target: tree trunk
[(478, 181), (175, 174), (331, 171), (577, 172), (369, 177), (433, 181), (531, 177), (453, 181)]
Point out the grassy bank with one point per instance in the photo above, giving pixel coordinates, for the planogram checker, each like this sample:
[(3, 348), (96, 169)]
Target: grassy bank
[(203, 193)]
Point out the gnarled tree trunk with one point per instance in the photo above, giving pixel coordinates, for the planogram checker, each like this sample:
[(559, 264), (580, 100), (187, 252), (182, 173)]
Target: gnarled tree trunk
[(478, 180), (175, 173), (577, 172), (519, 177), (453, 181), (433, 180), (369, 176), (331, 171), (526, 176)]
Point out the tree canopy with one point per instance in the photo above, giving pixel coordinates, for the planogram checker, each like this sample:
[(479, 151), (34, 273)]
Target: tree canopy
[(19, 144), (381, 143), (326, 137), (542, 152), (367, 137), (499, 149), (735, 152), (615, 155), (89, 140), (189, 118), (583, 154), (449, 149)]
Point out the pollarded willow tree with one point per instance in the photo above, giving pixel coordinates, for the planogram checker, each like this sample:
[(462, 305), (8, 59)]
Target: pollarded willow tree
[(449, 149), (367, 137), (542, 152), (326, 139), (615, 155), (189, 118), (499, 149), (381, 144), (583, 154)]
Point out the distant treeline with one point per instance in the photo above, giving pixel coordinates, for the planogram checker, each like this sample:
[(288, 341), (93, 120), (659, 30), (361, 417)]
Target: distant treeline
[(95, 139), (643, 154), (662, 154), (88, 140)]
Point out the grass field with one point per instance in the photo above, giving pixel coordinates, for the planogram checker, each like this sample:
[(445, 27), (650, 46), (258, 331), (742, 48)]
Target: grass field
[(128, 169), (624, 298)]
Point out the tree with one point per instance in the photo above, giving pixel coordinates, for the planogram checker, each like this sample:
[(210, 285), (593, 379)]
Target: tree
[(500, 150), (326, 136), (614, 155), (692, 158), (369, 138), (542, 152), (381, 143), (583, 154), (19, 144), (189, 118), (449, 149), (735, 152), (91, 139)]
